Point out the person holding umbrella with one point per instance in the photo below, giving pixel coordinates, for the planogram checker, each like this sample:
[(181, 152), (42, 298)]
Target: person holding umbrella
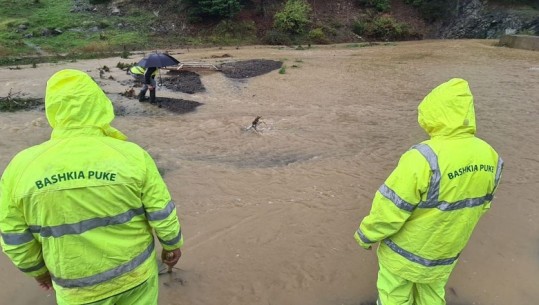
[(149, 83), (152, 62)]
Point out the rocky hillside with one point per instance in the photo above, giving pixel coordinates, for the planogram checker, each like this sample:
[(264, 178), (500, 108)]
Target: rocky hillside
[(350, 20), (38, 28), (479, 19)]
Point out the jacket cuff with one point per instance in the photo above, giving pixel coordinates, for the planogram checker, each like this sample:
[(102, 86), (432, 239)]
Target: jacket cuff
[(174, 243), (36, 270), (362, 240)]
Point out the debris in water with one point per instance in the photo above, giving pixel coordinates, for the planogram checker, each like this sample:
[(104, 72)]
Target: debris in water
[(255, 123), (129, 92)]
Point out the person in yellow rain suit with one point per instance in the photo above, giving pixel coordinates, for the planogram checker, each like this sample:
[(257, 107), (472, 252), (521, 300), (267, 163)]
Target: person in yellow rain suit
[(424, 213), (78, 212), (147, 77)]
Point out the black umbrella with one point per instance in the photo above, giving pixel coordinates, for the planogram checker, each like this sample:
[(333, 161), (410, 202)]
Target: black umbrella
[(158, 60)]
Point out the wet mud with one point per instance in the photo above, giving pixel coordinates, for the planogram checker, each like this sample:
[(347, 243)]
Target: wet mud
[(161, 106), (183, 81), (177, 106), (249, 68), (189, 81)]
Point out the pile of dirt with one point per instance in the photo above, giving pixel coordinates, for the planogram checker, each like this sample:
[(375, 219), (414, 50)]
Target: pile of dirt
[(189, 81), (178, 106), (249, 68), (183, 81)]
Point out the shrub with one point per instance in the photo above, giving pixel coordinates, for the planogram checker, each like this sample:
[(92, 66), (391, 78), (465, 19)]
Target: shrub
[(103, 24), (275, 37), (382, 27), (235, 29), (318, 36), (388, 28), (95, 47), (358, 27), (218, 9), (294, 18), (379, 5), (125, 54), (4, 52)]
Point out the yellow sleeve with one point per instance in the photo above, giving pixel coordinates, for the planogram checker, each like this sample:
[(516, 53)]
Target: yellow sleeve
[(395, 200), (17, 242), (160, 209)]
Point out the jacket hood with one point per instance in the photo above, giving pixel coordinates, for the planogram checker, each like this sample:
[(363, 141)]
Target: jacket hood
[(448, 110), (73, 100)]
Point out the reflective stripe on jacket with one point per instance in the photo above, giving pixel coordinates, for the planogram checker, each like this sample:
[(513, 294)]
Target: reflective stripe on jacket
[(425, 212), (83, 205)]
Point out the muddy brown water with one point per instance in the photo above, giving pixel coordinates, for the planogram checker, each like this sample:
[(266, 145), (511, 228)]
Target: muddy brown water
[(269, 217)]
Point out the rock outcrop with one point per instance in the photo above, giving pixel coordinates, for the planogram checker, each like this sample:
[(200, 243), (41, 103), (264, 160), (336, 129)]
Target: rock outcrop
[(476, 19)]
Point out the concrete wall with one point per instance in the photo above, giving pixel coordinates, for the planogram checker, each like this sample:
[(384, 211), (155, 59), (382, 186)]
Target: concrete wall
[(520, 42)]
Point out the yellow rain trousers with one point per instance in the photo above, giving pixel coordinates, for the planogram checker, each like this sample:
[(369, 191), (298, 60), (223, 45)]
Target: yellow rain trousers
[(424, 213), (85, 204), (143, 294), (393, 289)]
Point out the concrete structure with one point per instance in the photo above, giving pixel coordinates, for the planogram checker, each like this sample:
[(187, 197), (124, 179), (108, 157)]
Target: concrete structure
[(526, 42)]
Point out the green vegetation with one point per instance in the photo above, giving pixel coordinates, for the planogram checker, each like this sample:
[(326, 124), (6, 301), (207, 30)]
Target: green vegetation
[(527, 32), (228, 32), (294, 18), (382, 27), (49, 28), (292, 26), (200, 10), (36, 31), (275, 37), (318, 36), (379, 5)]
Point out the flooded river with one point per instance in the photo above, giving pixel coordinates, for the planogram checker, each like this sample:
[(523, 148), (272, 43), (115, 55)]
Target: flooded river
[(269, 216)]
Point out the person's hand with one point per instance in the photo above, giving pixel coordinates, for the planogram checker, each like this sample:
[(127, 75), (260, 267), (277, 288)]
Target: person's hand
[(44, 281), (171, 257), (151, 87)]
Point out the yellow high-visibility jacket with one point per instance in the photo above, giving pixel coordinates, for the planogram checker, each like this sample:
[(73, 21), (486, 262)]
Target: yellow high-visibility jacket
[(425, 212), (138, 70), (84, 204)]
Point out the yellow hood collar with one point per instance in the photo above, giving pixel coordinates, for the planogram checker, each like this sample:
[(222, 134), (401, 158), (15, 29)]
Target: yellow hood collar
[(73, 100), (448, 110)]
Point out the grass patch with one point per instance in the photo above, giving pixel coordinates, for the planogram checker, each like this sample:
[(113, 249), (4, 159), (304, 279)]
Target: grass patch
[(362, 45), (49, 28)]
